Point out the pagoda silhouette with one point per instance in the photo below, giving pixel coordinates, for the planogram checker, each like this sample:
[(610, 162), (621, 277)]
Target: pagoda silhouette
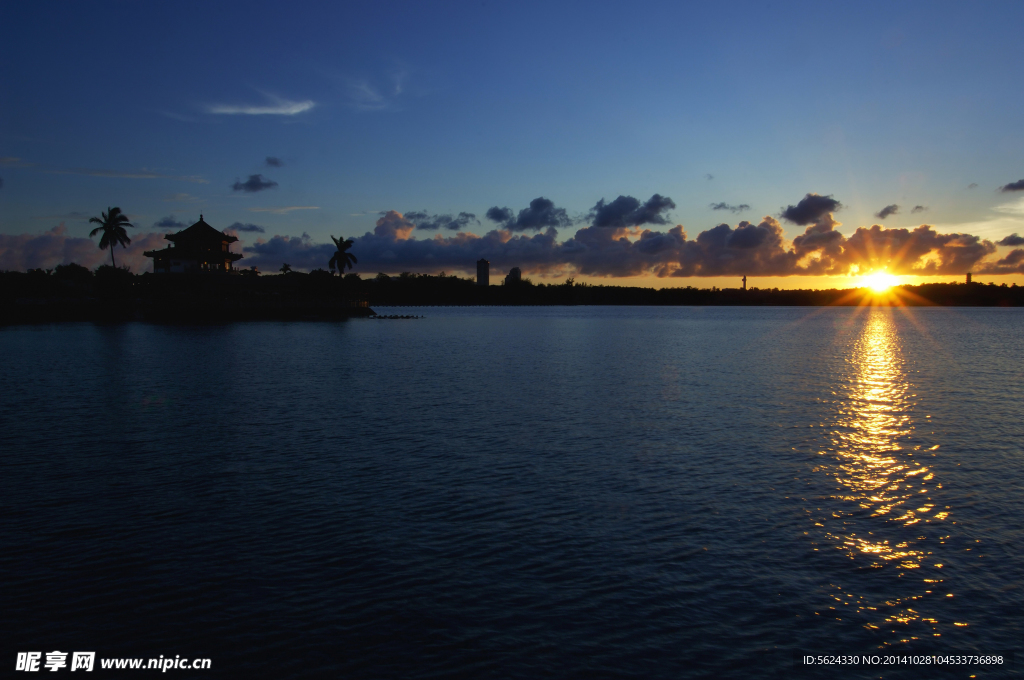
[(199, 248)]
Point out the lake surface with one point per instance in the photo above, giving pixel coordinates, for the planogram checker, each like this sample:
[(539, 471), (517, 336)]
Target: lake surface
[(583, 492)]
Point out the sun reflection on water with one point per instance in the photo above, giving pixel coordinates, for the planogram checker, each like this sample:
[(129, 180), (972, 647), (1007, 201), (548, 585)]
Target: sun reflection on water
[(885, 491)]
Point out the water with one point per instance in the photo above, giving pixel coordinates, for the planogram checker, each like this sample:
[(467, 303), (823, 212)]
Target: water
[(518, 492)]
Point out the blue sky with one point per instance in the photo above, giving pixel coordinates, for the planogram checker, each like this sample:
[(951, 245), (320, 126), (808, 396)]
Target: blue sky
[(163, 109)]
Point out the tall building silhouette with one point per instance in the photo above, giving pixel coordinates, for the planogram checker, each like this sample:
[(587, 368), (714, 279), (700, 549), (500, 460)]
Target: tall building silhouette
[(483, 273)]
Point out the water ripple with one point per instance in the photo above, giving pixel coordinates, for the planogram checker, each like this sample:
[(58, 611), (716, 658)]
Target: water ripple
[(575, 492)]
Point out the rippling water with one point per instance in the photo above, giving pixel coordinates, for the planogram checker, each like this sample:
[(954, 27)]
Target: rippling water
[(518, 492)]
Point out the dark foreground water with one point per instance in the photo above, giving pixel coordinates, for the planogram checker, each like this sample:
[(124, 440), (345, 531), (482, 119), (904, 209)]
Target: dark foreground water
[(518, 492)]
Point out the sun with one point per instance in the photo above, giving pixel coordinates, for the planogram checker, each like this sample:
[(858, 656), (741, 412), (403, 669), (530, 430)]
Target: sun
[(879, 282)]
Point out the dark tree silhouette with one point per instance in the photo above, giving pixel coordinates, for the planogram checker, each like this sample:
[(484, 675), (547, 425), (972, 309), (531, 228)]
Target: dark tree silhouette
[(112, 225), (285, 268), (342, 258)]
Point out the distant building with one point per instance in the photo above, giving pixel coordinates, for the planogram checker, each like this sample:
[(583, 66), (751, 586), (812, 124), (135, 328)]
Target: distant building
[(515, 275), (968, 277), (744, 282), (199, 248), (483, 273)]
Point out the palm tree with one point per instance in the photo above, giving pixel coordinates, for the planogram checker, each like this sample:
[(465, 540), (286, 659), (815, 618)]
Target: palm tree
[(285, 268), (112, 225), (342, 258)]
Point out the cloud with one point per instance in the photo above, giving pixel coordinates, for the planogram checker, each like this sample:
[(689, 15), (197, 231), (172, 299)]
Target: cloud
[(1006, 218), (749, 248), (389, 248), (300, 252), (918, 209), (1013, 186), (434, 222), (378, 94), (169, 223), (541, 214), (810, 209), (393, 226), (276, 106), (181, 198), (1015, 207), (362, 96), (20, 252), (240, 227), (919, 251), (1011, 264), (972, 185), (392, 230), (274, 162), (284, 210), (1011, 240), (731, 208), (254, 183), (14, 162), (500, 215), (605, 248), (891, 209), (626, 211)]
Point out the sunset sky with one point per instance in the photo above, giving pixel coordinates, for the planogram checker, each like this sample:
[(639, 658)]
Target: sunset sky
[(551, 136)]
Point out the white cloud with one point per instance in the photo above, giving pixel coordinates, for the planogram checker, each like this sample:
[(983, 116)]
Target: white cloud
[(365, 97), (275, 107), (1011, 208), (1009, 219)]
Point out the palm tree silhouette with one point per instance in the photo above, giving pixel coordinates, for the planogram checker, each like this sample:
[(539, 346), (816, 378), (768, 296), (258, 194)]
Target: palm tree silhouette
[(342, 258), (112, 225), (285, 268)]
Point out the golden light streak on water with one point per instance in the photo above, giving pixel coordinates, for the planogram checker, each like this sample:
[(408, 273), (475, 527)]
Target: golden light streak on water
[(880, 483)]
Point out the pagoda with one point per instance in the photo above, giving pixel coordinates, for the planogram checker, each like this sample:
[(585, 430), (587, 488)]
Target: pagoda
[(199, 248)]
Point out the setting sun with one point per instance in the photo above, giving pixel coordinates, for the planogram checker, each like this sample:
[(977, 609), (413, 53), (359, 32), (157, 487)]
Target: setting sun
[(879, 281)]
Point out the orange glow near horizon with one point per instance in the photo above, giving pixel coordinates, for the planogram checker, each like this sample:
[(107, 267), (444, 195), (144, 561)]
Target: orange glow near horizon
[(823, 282), (766, 282)]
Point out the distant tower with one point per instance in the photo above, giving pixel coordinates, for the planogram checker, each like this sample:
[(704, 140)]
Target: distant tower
[(515, 275), (744, 282), (483, 273), (968, 277)]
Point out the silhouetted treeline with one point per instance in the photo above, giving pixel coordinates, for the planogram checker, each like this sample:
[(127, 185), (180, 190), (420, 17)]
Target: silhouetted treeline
[(421, 289), (72, 292)]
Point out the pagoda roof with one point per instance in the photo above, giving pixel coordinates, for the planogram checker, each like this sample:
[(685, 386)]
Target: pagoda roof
[(201, 231)]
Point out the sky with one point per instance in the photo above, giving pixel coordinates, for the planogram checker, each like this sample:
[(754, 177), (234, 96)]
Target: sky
[(664, 144)]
